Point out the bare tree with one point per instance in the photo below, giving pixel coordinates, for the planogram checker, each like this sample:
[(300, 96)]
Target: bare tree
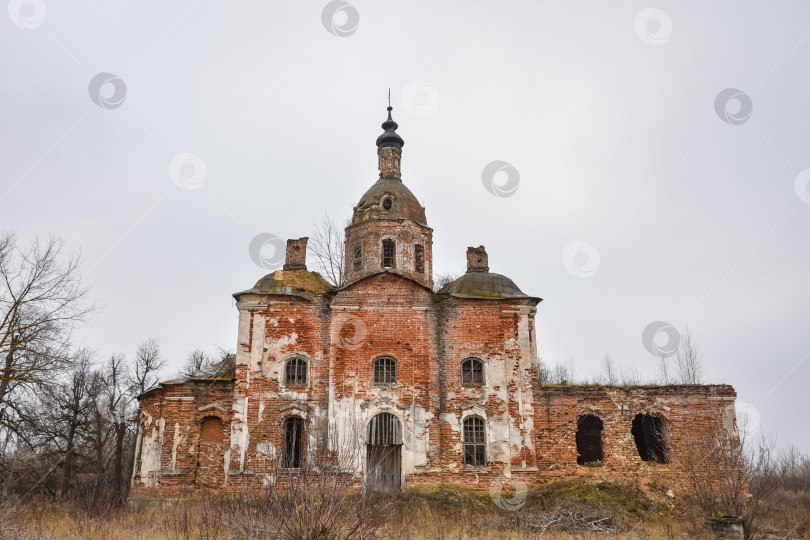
[(689, 359), (63, 417), (41, 300), (148, 362), (197, 360), (663, 371), (328, 248), (559, 373), (224, 353), (121, 411), (718, 462), (610, 375), (443, 280), (629, 376)]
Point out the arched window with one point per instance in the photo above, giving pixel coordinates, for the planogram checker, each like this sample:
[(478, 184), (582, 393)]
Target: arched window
[(649, 434), (291, 438), (388, 254), (384, 430), (295, 372), (385, 371), (211, 430), (475, 446), (472, 372), (589, 440)]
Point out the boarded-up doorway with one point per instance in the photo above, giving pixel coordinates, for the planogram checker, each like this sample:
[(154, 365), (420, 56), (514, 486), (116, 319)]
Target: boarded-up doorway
[(384, 454), (210, 465)]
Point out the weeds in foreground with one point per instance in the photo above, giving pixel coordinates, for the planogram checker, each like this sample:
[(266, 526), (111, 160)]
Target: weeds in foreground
[(565, 510)]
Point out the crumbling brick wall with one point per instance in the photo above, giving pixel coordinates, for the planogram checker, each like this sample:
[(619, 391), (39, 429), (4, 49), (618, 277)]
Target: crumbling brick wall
[(168, 441), (685, 411)]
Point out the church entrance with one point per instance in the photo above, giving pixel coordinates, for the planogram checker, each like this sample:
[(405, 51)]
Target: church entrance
[(384, 454)]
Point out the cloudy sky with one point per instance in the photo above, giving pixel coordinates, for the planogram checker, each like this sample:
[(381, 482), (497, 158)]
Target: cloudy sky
[(651, 162)]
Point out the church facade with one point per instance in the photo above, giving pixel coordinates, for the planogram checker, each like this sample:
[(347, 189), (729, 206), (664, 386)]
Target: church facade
[(398, 383)]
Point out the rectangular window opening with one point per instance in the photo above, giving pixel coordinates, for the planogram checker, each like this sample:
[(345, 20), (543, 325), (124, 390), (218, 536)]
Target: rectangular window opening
[(357, 257), (419, 259), (388, 254)]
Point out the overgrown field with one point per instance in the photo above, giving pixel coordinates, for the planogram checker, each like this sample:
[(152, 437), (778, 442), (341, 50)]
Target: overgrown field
[(562, 510)]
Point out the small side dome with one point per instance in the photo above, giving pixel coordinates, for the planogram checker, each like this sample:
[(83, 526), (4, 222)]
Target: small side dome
[(290, 282), (479, 282), (486, 285)]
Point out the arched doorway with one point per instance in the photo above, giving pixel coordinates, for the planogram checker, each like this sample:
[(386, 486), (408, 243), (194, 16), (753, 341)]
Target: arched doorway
[(384, 453)]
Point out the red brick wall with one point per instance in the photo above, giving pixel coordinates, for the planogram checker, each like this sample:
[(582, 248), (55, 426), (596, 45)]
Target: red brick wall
[(405, 233), (530, 428), (169, 443)]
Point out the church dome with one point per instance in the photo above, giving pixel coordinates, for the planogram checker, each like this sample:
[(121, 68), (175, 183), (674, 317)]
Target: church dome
[(487, 285), (389, 198)]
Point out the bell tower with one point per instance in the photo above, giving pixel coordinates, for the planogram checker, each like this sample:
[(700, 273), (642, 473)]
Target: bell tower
[(389, 231)]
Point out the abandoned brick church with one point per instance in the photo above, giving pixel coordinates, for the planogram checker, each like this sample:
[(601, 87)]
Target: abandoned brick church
[(398, 383)]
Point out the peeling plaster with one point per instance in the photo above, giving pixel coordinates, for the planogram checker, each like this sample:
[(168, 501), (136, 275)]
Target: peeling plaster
[(150, 455), (178, 438), (274, 350), (239, 429)]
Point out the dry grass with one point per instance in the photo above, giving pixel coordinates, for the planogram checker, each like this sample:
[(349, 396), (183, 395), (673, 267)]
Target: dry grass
[(557, 511)]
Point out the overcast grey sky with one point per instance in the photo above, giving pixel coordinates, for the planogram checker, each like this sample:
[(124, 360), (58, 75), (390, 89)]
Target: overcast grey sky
[(642, 195)]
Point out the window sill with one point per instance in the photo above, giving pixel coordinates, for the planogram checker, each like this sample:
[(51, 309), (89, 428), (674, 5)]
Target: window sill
[(477, 469), (289, 470)]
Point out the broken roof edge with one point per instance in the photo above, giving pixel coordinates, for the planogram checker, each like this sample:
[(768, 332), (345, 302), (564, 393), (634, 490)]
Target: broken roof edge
[(222, 371), (535, 299)]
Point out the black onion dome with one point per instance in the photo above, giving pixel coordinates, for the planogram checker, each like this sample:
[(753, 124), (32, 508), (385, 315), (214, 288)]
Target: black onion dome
[(389, 137)]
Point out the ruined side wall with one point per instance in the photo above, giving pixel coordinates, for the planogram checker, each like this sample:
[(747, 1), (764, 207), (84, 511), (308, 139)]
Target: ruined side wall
[(686, 411), (168, 441)]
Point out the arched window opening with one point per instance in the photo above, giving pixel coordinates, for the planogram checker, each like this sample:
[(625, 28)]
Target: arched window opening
[(419, 259), (292, 435), (472, 372), (589, 440), (295, 372), (385, 430), (385, 371), (388, 254), (649, 434), (475, 447), (357, 257)]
